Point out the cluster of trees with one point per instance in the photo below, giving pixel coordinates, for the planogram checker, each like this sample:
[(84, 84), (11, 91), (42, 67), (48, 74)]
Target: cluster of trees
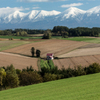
[(47, 34), (38, 52), (79, 31), (11, 77), (56, 31), (20, 32)]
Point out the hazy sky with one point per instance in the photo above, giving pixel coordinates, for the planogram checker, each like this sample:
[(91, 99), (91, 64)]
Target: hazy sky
[(59, 5)]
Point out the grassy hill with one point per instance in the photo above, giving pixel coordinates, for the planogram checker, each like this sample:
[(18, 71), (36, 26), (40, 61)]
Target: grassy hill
[(77, 88)]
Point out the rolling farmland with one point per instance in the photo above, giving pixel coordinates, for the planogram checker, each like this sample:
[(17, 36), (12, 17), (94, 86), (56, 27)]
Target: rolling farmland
[(76, 61), (71, 53), (18, 61), (57, 47)]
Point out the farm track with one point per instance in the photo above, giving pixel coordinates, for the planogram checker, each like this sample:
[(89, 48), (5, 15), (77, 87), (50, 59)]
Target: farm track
[(77, 61)]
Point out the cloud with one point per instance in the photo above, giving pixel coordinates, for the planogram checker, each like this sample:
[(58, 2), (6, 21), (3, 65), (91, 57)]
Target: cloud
[(8, 10), (40, 0), (72, 5)]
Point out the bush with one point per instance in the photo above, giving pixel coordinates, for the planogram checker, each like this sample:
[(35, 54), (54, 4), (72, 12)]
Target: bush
[(10, 38), (18, 71), (49, 77), (79, 71), (28, 78), (28, 69), (93, 68)]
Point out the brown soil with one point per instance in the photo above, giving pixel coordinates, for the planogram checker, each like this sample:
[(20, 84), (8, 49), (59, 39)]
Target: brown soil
[(76, 61), (82, 52), (18, 61), (57, 47)]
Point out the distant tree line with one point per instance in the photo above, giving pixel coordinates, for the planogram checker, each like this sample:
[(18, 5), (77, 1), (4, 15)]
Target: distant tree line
[(20, 32), (79, 31), (56, 31)]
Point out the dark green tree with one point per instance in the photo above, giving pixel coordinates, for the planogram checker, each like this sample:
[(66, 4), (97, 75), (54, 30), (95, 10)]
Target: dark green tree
[(12, 79), (2, 76), (47, 34), (32, 51), (38, 53)]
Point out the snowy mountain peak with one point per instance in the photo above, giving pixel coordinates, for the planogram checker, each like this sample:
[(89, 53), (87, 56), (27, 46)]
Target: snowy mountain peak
[(71, 17), (70, 12), (74, 11), (94, 10)]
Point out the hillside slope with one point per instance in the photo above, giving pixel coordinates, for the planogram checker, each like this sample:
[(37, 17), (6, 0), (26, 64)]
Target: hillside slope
[(77, 88)]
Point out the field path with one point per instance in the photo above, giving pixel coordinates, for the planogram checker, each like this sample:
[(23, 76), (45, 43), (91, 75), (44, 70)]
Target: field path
[(18, 61)]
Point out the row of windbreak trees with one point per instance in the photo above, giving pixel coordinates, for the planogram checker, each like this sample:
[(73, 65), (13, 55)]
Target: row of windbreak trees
[(20, 32), (11, 77), (56, 31), (79, 31)]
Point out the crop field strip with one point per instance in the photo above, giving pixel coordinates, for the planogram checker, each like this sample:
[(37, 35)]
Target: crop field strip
[(82, 52), (58, 47), (18, 61), (76, 61), (7, 44)]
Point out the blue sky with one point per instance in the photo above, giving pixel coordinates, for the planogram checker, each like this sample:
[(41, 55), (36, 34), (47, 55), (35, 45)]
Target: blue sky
[(59, 5)]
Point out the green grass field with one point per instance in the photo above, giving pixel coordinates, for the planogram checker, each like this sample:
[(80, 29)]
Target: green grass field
[(85, 39), (76, 88), (10, 44), (19, 37)]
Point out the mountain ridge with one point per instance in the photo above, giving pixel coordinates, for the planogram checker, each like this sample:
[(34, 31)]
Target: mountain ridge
[(40, 19)]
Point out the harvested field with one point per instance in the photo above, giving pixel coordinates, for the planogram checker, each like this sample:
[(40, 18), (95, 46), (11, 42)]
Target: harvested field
[(82, 52), (18, 61), (75, 61), (58, 47), (7, 44)]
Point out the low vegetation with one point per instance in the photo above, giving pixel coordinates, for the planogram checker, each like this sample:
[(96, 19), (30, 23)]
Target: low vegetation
[(11, 44), (11, 77)]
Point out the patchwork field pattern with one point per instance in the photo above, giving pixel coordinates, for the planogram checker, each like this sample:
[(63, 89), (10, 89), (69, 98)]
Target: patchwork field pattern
[(57, 47), (90, 49), (19, 62), (76, 61)]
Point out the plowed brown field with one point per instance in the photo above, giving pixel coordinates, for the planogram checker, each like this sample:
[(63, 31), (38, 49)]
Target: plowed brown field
[(57, 47), (75, 61), (18, 61), (82, 52)]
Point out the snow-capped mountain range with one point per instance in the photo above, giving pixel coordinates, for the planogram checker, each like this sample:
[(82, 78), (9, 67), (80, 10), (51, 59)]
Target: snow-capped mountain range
[(41, 19)]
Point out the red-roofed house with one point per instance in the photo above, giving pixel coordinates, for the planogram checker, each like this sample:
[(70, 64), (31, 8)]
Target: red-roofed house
[(50, 56)]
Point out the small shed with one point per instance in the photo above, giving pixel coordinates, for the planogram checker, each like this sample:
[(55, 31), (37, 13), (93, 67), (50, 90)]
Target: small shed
[(50, 56)]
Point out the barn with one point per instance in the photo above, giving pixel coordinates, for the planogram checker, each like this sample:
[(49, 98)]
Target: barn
[(50, 56)]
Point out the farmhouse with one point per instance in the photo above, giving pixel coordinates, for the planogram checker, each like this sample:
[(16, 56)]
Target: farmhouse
[(50, 56)]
